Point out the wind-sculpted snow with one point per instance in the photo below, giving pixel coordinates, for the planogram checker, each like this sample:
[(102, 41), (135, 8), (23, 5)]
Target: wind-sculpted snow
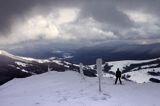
[(69, 89)]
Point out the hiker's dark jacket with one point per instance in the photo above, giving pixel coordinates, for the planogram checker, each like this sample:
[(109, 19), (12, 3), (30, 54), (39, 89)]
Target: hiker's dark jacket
[(118, 73)]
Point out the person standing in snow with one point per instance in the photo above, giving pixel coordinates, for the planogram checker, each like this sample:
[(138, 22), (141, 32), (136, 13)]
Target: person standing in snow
[(118, 76)]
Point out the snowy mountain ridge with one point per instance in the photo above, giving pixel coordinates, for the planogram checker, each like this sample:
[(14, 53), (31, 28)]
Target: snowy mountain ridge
[(138, 71), (56, 82), (4, 53)]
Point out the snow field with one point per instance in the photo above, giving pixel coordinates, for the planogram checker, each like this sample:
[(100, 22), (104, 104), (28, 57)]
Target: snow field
[(69, 89)]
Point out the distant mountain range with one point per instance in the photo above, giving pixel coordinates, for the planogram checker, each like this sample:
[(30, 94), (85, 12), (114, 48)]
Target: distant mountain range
[(12, 66), (116, 52), (88, 55)]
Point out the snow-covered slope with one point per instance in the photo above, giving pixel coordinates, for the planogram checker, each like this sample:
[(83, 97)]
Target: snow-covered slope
[(12, 66), (4, 53), (68, 89), (142, 76), (124, 63), (20, 58), (140, 71)]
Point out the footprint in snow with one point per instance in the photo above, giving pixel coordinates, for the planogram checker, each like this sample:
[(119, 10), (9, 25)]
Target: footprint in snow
[(37, 103)]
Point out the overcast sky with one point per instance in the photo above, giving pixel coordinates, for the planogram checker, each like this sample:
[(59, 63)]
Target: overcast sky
[(81, 22)]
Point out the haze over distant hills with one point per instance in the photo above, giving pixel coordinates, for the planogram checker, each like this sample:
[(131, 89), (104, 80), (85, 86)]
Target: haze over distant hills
[(115, 52), (88, 55)]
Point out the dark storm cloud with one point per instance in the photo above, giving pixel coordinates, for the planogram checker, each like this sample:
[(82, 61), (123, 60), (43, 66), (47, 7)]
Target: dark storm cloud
[(107, 12), (12, 9), (111, 12), (151, 6)]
